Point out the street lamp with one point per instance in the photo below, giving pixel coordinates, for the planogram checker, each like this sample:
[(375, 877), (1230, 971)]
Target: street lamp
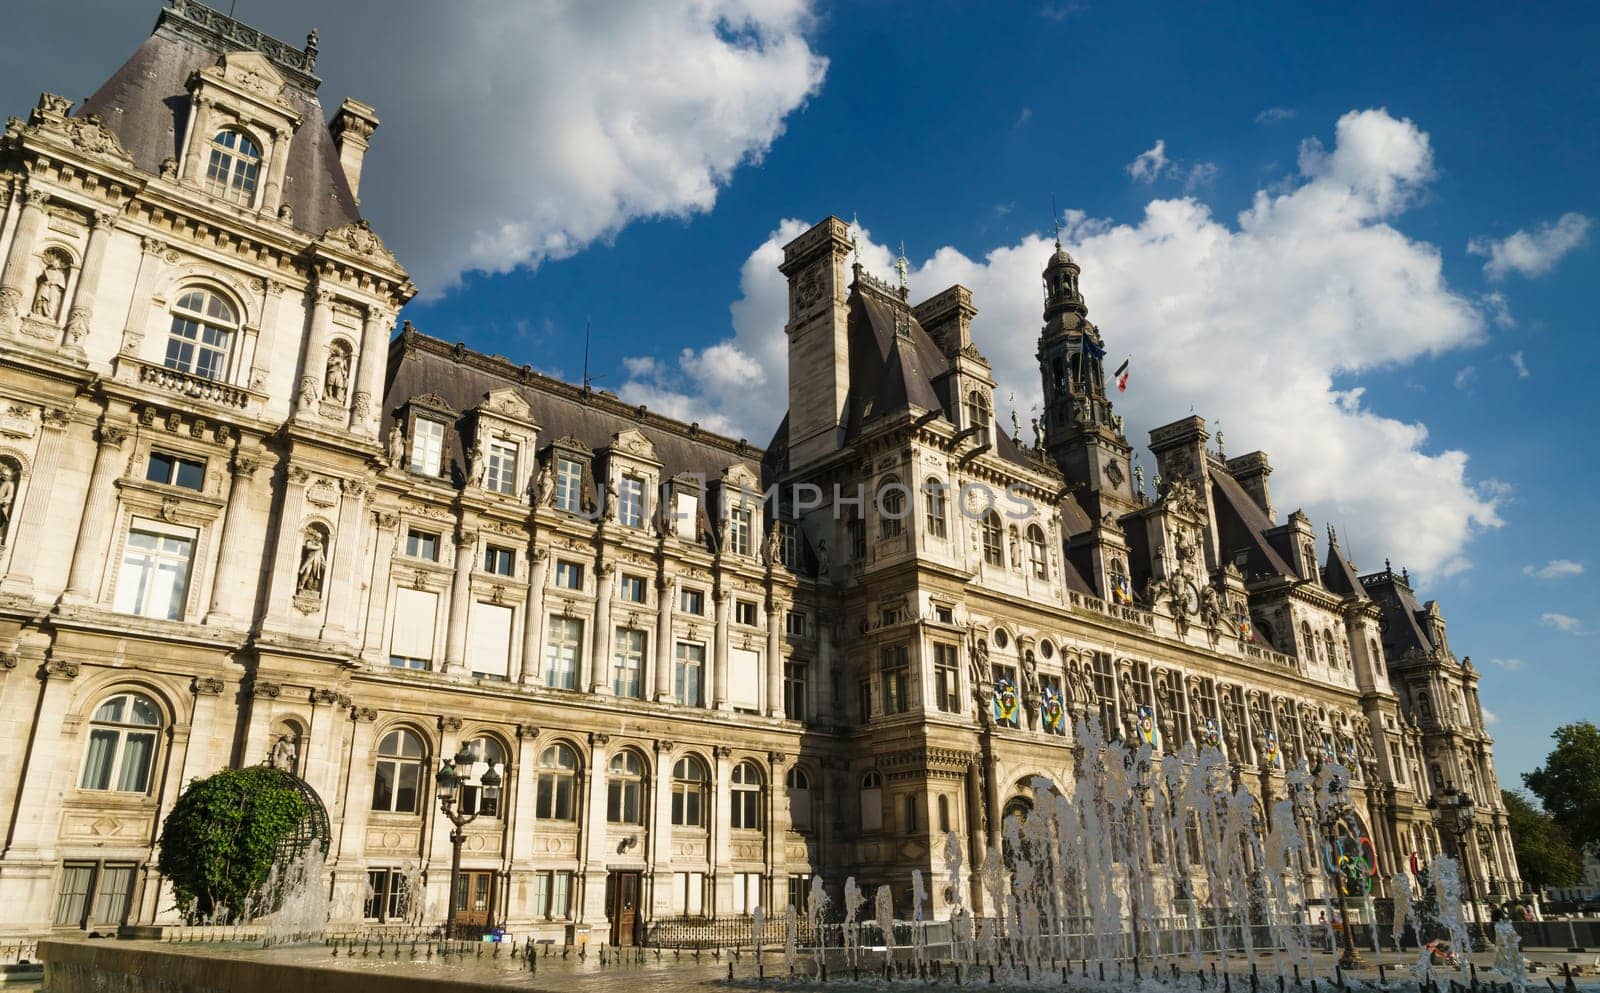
[(1335, 823), (453, 773), (1453, 817)]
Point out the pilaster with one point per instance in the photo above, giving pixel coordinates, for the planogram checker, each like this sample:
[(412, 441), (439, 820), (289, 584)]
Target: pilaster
[(94, 530)]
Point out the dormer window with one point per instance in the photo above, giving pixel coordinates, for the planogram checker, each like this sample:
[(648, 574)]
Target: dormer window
[(501, 475), (978, 415), (569, 484), (630, 502), (739, 531), (234, 167), (203, 329), (427, 446)]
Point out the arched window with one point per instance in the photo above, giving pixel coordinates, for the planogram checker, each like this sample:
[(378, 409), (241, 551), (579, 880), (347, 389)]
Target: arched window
[(122, 744), (944, 814), (234, 168), (1308, 644), (1041, 564), (913, 818), (557, 784), (871, 802), (625, 789), (1327, 642), (689, 792), (798, 785), (891, 507), (745, 810), (933, 502), (978, 415), (204, 326), (397, 781), (488, 754), (994, 551), (1376, 656)]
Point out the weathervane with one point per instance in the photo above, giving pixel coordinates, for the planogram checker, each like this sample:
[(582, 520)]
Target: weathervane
[(901, 266), (855, 243), (1055, 220)]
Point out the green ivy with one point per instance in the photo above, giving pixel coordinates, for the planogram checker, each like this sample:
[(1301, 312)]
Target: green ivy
[(221, 839)]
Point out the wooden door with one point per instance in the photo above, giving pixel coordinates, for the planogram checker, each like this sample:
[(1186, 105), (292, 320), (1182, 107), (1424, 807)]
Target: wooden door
[(474, 899), (624, 909)]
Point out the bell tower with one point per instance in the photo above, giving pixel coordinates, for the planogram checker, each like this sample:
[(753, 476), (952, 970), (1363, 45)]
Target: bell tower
[(1081, 433)]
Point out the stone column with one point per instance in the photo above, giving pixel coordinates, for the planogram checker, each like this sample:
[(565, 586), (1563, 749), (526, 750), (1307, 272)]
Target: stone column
[(368, 382), (277, 152), (455, 639), (341, 604), (660, 827), (143, 289), (774, 658), (233, 561), (352, 829), (286, 557), (594, 831), (94, 263), (721, 844), (14, 278), (600, 642), (378, 585), (267, 336), (316, 355), (46, 781), (25, 533), (89, 554), (666, 603), (719, 660), (533, 618), (520, 822)]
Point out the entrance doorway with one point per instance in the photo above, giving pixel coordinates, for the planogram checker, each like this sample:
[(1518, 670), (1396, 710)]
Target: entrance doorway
[(474, 899), (622, 906)]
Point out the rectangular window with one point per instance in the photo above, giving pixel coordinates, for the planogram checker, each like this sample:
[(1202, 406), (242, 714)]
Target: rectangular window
[(630, 502), (569, 485), (858, 540), (739, 531), (489, 641), (692, 601), (501, 474), (552, 895), (561, 650), (1007, 708), (569, 575), (685, 514), (746, 892), (688, 674), (795, 691), (944, 615), (895, 668), (154, 581), (411, 644), (422, 545), (173, 470), (72, 896), (744, 679), (627, 663), (744, 612), (427, 447), (800, 894), (795, 624), (112, 891), (946, 678), (934, 499), (499, 561), (633, 588), (789, 544), (688, 893), (864, 698)]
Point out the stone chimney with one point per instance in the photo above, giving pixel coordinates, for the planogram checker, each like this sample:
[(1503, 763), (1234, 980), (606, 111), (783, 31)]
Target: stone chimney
[(1250, 471), (352, 127), (947, 317)]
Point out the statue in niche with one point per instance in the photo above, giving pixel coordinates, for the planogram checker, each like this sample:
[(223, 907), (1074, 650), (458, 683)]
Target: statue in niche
[(8, 496), (544, 486), (285, 754), (824, 564), (397, 448), (475, 464), (769, 549), (51, 287), (313, 563), (1030, 675), (336, 383)]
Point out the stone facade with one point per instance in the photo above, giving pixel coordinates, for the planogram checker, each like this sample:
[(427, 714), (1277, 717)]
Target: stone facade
[(241, 523)]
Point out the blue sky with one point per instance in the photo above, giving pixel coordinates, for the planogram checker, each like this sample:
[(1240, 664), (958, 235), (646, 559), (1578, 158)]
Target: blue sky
[(1273, 206)]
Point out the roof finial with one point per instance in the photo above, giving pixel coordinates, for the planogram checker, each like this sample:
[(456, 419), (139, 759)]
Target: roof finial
[(1055, 220), (1333, 536), (855, 242), (1016, 427), (1221, 454), (901, 266)]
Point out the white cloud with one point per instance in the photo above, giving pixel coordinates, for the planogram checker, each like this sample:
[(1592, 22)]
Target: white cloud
[(1532, 253), (1565, 623), (1150, 164), (1465, 377), (1059, 12), (1200, 174), (1520, 365), (1263, 323), (1275, 115), (1554, 569), (1489, 716), (526, 131), (1023, 117), (1509, 665)]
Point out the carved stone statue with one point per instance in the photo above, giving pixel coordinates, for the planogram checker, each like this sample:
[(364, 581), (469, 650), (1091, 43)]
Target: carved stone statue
[(8, 496), (1038, 434), (336, 384), (313, 563), (544, 486), (475, 464), (285, 754), (1211, 606), (769, 549), (1030, 675), (978, 663), (397, 447), (824, 563), (51, 288)]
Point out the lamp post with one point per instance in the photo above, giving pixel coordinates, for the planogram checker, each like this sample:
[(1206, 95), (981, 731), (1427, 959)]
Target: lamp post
[(1453, 817), (452, 775), (1335, 823)]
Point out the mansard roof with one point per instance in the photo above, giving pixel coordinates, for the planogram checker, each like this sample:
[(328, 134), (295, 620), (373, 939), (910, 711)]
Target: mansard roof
[(1243, 527), (420, 365), (146, 105), (1339, 574), (1403, 633)]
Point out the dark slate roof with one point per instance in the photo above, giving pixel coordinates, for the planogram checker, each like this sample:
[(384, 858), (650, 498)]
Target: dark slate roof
[(1242, 524), (1339, 575), (146, 104), (1402, 632), (420, 365)]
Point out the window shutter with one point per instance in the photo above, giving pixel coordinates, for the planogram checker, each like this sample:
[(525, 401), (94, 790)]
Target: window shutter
[(414, 613), (489, 640)]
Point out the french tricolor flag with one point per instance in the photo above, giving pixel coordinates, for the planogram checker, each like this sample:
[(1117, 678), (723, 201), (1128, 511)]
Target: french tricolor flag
[(1121, 376)]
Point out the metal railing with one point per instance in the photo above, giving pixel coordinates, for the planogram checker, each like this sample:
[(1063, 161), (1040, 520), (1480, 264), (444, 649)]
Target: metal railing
[(727, 931)]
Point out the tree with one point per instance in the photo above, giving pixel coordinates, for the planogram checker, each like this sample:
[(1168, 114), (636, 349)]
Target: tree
[(1546, 855), (1568, 784), (219, 843)]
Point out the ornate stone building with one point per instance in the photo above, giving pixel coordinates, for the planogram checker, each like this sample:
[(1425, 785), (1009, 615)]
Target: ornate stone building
[(241, 523)]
